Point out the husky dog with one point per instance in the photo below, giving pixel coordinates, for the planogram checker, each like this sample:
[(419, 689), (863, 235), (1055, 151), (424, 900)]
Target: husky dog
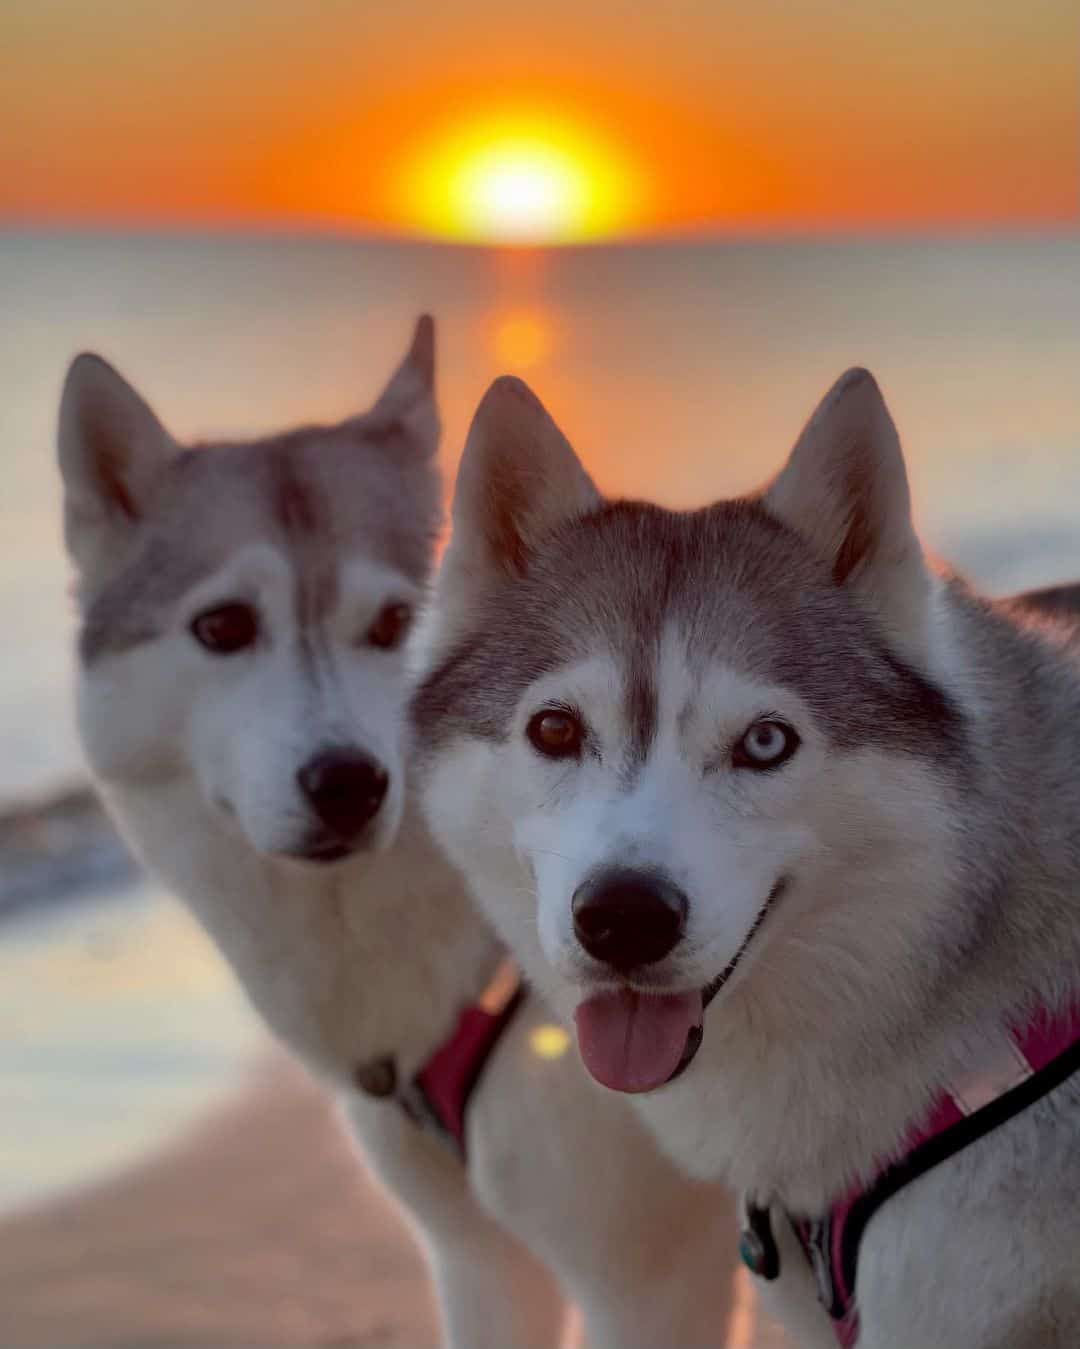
[(242, 692), (760, 758)]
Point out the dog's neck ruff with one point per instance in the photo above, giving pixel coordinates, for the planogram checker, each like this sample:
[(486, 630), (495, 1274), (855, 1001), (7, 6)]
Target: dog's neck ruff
[(437, 1096), (1019, 1067)]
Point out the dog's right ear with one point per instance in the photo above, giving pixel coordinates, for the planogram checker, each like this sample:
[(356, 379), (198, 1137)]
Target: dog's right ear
[(845, 490), (112, 451), (519, 479)]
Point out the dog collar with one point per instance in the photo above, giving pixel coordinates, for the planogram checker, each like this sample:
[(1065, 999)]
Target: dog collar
[(438, 1095), (1017, 1068)]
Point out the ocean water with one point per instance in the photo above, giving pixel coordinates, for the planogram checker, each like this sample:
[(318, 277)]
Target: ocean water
[(680, 371), (118, 1025)]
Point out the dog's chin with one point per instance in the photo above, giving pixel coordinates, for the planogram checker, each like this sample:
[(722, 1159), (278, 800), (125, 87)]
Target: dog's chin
[(328, 850), (314, 848), (324, 853), (638, 1039)]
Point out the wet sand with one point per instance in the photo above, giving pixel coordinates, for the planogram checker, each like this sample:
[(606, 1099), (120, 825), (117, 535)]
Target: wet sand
[(258, 1228)]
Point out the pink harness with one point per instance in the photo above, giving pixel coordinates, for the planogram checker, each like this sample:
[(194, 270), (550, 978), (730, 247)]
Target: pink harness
[(1021, 1066), (439, 1094)]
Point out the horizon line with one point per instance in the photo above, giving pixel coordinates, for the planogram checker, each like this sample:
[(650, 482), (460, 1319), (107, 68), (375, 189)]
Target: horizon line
[(342, 231)]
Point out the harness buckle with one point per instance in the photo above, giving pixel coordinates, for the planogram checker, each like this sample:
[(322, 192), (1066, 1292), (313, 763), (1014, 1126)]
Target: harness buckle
[(757, 1245), (817, 1240)]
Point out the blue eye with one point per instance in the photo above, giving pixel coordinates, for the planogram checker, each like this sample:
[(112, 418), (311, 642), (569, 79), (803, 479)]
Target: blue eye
[(765, 744)]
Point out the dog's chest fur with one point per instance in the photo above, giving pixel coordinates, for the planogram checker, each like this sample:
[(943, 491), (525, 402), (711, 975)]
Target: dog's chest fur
[(372, 957)]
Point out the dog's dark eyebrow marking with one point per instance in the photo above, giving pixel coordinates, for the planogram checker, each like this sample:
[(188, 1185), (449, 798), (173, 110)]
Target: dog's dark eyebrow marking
[(641, 704), (102, 634), (128, 611), (303, 514), (297, 508)]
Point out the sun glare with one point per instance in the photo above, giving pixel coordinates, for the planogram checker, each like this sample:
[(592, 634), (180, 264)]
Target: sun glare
[(521, 339), (519, 179)]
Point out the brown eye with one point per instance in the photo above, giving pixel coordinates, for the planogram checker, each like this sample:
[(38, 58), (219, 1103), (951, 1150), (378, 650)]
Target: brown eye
[(390, 626), (226, 629), (556, 733)]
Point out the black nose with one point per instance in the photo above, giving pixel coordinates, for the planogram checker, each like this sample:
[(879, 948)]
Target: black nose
[(628, 918), (345, 789)]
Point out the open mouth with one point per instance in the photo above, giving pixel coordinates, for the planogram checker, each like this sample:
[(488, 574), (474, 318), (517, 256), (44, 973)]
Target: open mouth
[(710, 990), (634, 1041)]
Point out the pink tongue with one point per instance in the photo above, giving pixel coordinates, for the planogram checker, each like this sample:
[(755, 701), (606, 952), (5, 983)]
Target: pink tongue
[(635, 1041)]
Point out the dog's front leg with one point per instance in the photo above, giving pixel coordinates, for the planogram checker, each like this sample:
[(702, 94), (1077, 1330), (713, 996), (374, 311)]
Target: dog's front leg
[(682, 1309), (494, 1295)]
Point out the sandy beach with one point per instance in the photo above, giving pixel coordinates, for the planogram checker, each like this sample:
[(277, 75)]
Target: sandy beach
[(172, 1178), (257, 1228)]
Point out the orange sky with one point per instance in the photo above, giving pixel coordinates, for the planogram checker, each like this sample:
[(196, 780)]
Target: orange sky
[(780, 114)]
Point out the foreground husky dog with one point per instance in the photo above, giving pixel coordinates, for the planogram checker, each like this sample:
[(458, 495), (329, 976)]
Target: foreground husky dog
[(758, 759), (241, 700)]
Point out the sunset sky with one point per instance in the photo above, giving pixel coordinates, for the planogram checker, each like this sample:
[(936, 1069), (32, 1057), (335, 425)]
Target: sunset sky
[(565, 119)]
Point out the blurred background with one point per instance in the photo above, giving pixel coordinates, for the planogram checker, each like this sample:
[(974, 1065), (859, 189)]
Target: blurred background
[(678, 222)]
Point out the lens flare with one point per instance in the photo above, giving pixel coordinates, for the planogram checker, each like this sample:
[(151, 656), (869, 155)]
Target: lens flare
[(549, 1042), (517, 178)]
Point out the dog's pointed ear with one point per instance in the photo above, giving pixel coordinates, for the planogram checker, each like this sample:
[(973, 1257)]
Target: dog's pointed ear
[(844, 488), (407, 405), (519, 479), (112, 452)]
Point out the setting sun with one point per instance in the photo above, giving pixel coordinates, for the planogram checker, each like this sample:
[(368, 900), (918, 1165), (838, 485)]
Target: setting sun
[(520, 179)]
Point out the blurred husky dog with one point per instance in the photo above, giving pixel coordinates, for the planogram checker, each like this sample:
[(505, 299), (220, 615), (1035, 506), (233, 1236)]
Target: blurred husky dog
[(761, 755), (241, 696)]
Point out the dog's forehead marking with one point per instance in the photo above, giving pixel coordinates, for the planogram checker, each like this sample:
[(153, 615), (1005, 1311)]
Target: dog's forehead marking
[(346, 486), (325, 492), (744, 592), (301, 511), (666, 700), (297, 504), (640, 703), (739, 588)]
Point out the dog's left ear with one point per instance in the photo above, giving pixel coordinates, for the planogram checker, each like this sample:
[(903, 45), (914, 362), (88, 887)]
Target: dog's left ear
[(407, 405), (845, 490), (518, 481), (113, 452)]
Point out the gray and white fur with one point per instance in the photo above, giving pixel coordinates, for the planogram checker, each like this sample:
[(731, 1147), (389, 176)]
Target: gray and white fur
[(868, 911), (265, 780)]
